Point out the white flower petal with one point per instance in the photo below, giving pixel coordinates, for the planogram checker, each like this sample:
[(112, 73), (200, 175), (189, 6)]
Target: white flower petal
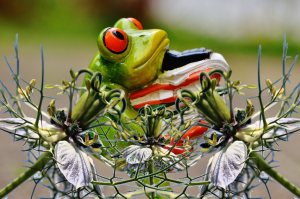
[(271, 134), (73, 164), (14, 123), (95, 178), (242, 179), (49, 132), (285, 123), (227, 164), (29, 135), (59, 179), (135, 154)]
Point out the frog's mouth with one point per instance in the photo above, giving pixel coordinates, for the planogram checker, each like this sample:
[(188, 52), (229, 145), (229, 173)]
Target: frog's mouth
[(181, 70)]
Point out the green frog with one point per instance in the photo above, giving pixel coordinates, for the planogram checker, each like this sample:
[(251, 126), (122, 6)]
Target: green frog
[(139, 62)]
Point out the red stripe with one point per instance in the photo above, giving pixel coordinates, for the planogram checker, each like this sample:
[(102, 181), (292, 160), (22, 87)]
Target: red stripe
[(152, 88), (155, 102)]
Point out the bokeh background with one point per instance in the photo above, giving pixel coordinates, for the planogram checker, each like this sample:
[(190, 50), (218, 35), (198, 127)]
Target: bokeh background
[(68, 31)]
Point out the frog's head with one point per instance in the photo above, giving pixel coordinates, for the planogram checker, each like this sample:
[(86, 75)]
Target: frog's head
[(131, 57), (140, 62)]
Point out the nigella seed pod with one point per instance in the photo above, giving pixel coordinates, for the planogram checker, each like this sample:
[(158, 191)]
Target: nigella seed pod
[(207, 102), (92, 104)]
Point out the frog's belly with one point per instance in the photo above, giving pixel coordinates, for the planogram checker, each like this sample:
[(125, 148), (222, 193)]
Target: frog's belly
[(164, 90)]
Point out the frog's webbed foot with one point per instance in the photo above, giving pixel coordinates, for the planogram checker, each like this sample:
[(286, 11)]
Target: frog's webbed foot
[(174, 59)]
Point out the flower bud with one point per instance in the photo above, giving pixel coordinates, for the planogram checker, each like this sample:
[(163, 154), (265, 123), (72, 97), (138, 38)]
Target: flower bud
[(280, 92), (249, 108), (53, 109), (168, 141), (251, 111), (28, 91), (186, 142), (52, 102), (273, 91), (121, 163), (236, 82), (117, 135), (65, 82), (188, 124), (114, 125), (249, 103), (20, 91), (32, 83), (125, 137), (229, 73), (72, 73), (49, 110), (269, 84)]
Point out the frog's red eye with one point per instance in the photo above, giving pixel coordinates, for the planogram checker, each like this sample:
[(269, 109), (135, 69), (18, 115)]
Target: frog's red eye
[(115, 40), (136, 23)]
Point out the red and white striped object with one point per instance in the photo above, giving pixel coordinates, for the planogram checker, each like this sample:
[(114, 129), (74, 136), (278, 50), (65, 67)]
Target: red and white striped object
[(164, 89)]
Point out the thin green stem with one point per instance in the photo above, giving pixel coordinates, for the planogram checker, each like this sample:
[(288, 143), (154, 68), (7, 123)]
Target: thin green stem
[(259, 89), (41, 92), (151, 170), (264, 166), (37, 166)]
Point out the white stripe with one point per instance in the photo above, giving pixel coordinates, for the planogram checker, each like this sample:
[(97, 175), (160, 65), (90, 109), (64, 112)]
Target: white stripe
[(179, 75), (162, 94)]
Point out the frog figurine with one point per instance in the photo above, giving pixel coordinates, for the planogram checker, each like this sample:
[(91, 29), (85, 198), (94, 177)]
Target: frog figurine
[(140, 63)]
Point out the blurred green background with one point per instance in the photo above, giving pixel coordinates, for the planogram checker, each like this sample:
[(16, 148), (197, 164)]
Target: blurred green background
[(68, 31)]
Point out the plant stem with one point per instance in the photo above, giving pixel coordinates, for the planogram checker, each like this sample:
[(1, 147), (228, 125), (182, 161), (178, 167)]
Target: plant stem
[(260, 91), (37, 166), (264, 166), (151, 170)]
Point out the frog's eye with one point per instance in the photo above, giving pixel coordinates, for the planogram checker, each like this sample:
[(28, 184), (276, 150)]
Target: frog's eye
[(115, 40), (136, 23)]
